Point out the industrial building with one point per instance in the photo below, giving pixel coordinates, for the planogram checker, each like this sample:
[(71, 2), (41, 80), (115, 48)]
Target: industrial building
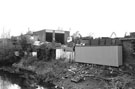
[(48, 35)]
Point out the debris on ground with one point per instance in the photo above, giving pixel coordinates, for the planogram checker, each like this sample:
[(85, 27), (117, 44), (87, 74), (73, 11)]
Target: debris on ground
[(112, 77), (86, 76)]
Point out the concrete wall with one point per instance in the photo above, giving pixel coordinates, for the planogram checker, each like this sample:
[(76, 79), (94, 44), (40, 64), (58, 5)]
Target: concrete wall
[(103, 55), (40, 35)]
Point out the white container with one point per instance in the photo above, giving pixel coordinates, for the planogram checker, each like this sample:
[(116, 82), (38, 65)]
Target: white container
[(103, 55)]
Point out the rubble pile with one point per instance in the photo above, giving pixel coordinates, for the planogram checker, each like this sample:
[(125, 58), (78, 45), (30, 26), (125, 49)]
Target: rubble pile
[(111, 77)]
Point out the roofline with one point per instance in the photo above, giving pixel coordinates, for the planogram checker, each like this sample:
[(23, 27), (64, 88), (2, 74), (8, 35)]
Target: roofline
[(50, 30)]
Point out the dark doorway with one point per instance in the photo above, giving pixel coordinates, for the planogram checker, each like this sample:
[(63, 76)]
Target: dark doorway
[(59, 38), (49, 36)]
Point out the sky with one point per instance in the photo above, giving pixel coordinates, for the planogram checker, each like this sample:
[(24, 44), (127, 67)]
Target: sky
[(97, 18)]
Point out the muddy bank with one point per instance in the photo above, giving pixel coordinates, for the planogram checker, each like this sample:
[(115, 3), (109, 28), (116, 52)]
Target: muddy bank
[(24, 78)]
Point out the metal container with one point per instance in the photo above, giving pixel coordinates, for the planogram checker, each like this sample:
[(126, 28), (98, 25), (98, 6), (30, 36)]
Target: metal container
[(103, 55)]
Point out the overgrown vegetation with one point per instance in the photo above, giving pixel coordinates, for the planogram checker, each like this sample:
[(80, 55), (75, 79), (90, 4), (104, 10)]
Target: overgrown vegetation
[(46, 52), (6, 52), (8, 47)]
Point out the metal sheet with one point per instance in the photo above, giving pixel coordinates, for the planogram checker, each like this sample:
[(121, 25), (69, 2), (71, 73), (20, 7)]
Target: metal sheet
[(103, 55), (68, 55)]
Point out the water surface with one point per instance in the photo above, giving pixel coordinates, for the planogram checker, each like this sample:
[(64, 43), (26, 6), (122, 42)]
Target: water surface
[(13, 81)]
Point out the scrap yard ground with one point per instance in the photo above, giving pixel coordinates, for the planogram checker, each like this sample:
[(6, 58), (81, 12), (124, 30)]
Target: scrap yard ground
[(82, 76), (44, 69)]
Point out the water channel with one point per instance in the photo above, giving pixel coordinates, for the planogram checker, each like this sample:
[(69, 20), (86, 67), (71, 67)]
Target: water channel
[(13, 81)]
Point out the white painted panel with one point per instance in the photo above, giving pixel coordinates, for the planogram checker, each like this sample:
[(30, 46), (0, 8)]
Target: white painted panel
[(68, 55), (59, 53), (104, 55)]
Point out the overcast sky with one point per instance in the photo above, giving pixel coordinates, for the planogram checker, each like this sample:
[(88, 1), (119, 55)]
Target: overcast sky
[(96, 17)]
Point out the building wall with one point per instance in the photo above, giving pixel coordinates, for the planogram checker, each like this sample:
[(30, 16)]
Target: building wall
[(40, 35)]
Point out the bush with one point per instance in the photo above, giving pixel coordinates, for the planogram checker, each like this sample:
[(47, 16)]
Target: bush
[(45, 52), (7, 55), (29, 60)]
